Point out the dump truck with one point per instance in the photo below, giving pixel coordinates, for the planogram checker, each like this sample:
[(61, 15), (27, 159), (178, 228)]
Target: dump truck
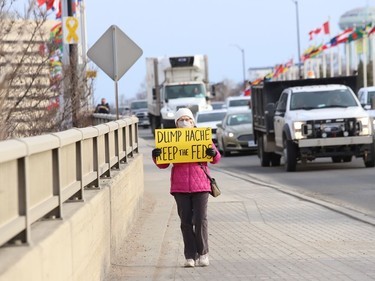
[(301, 120)]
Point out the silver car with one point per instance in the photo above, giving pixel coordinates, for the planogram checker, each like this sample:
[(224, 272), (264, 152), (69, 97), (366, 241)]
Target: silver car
[(235, 133)]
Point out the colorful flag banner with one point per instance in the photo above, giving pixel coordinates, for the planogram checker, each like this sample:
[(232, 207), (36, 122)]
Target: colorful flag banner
[(342, 37), (312, 51)]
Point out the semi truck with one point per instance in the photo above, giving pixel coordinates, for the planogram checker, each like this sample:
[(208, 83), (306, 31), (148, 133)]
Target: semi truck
[(301, 120), (175, 82)]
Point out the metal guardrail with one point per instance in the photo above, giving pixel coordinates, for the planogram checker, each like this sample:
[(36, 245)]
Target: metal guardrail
[(38, 174)]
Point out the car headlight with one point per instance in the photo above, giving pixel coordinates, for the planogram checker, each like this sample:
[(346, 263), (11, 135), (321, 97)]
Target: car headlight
[(298, 130), (364, 126), (229, 134), (170, 114)]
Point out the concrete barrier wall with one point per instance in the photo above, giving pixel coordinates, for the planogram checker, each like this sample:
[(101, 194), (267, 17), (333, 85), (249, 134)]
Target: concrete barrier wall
[(83, 245)]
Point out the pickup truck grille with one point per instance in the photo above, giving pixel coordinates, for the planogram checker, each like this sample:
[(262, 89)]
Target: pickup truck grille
[(331, 128), (141, 115)]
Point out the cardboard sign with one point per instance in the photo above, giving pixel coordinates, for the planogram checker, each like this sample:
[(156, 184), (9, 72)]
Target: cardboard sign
[(183, 145)]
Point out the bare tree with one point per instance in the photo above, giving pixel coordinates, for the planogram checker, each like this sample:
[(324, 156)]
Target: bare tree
[(142, 91), (32, 82)]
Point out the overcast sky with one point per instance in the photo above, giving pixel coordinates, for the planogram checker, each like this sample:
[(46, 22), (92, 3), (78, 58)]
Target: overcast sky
[(265, 29)]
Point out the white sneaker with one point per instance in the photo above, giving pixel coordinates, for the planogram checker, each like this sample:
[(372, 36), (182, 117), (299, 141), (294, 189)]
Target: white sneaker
[(203, 260), (189, 263)]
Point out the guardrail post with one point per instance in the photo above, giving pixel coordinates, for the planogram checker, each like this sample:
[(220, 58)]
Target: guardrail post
[(136, 129), (57, 212), (79, 194), (23, 202), (107, 155), (96, 161), (131, 140), (117, 148)]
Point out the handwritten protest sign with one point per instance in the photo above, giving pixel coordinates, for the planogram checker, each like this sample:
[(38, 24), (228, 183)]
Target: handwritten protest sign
[(183, 145)]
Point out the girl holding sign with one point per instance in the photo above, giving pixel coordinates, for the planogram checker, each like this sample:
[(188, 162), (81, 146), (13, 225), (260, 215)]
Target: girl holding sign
[(190, 188)]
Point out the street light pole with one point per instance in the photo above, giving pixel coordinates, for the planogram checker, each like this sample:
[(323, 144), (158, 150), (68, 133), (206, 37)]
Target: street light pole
[(243, 62), (298, 40)]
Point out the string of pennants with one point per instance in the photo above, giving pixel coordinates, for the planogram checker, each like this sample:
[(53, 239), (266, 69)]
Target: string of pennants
[(348, 35)]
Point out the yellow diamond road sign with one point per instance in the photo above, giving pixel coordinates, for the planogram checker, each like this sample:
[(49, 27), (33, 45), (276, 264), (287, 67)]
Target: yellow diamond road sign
[(114, 52)]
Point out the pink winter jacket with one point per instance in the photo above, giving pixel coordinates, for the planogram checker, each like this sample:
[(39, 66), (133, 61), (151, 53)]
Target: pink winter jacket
[(189, 177)]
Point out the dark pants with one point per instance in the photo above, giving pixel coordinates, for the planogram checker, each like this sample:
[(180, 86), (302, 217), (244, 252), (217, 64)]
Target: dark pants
[(192, 210)]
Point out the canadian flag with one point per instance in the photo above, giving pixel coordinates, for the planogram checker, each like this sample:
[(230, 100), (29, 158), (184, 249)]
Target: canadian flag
[(316, 31)]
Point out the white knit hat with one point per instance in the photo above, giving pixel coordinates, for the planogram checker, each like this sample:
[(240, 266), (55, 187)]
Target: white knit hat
[(183, 112)]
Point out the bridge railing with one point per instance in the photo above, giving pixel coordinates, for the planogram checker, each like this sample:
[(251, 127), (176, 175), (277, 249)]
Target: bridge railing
[(38, 174)]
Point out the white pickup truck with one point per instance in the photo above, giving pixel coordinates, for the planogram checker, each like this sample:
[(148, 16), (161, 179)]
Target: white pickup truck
[(314, 121)]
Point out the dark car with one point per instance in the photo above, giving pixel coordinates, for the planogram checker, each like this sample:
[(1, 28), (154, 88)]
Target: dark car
[(139, 108)]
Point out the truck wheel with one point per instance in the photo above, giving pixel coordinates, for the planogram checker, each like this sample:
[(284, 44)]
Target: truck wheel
[(153, 126), (290, 156), (370, 161), (265, 157), (336, 159), (347, 159), (275, 160)]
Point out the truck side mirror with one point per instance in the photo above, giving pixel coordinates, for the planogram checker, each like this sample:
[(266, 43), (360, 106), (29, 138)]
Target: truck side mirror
[(213, 93), (270, 109), (269, 113)]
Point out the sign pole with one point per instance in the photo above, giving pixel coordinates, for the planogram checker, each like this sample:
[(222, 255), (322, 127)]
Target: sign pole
[(116, 93), (115, 69)]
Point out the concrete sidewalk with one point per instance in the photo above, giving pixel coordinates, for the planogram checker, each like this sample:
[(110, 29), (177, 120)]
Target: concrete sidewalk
[(256, 232)]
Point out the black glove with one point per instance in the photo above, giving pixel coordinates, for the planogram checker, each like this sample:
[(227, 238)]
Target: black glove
[(211, 152), (156, 152)]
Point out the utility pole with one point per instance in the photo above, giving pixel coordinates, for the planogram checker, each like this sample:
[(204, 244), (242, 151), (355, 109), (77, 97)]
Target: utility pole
[(75, 98), (298, 40), (243, 63)]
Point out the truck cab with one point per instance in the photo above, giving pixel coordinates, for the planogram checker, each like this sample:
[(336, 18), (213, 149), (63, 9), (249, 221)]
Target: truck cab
[(366, 96), (178, 95)]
